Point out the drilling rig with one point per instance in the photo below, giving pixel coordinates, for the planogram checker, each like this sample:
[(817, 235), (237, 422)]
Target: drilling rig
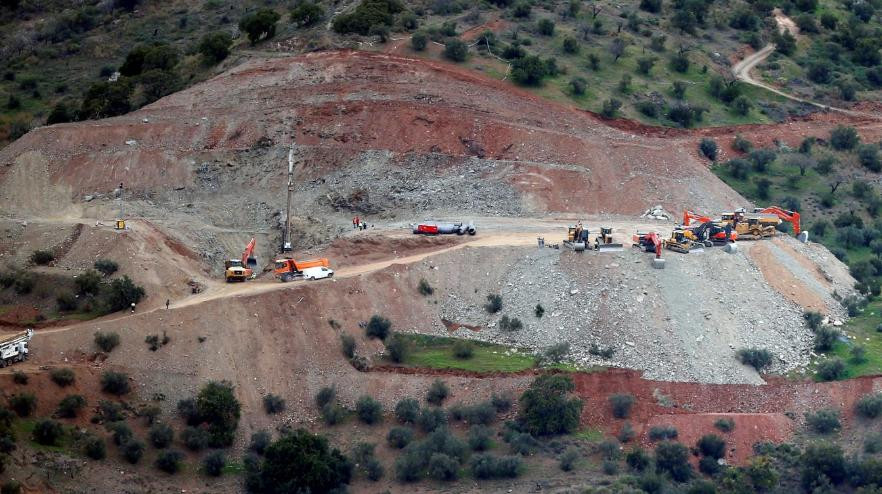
[(286, 238)]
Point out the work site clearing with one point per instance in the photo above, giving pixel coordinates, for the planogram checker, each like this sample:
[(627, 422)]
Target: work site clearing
[(401, 143)]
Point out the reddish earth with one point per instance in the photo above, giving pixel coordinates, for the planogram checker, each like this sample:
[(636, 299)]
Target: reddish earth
[(494, 26)]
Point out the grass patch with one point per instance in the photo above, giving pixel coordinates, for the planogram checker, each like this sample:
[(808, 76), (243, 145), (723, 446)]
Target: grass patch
[(233, 468), (24, 429), (863, 328), (589, 434), (436, 352)]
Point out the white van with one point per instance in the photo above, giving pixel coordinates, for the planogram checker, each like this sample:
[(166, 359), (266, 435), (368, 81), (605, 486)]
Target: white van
[(317, 273)]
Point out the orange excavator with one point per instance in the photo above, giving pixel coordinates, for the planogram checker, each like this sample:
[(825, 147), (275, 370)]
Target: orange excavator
[(784, 214), (241, 269), (716, 231), (650, 242)]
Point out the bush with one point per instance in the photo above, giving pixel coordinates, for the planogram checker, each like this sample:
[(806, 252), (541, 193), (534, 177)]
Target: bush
[(648, 108), (214, 463), (545, 27), (95, 448), (42, 257), (825, 338), (844, 138), (67, 302), (122, 293), (494, 303), (109, 411), (378, 327), (260, 25), (88, 283), (626, 433), (570, 45), (321, 469), (621, 405), (23, 404), (741, 105), (869, 406), (122, 433), (132, 450), (214, 48), (678, 89), (545, 408), (47, 432), (197, 439), (610, 108), (62, 377), (637, 459), (578, 85), (708, 465), (260, 440), (725, 425), (217, 406), (568, 459), (369, 410), (510, 324), (456, 50), (347, 345), (758, 358), (813, 319), (425, 288), (868, 155), (644, 65), (273, 404), (662, 432), (169, 461), (673, 458), (822, 462), (431, 419), (325, 395), (442, 467), (502, 403), (686, 115), (741, 144), (306, 14), (407, 410), (333, 414), (418, 41), (463, 349), (679, 62), (486, 466), (479, 437), (823, 421), (161, 435), (70, 406), (437, 392), (712, 445), (480, 413), (106, 266), (106, 99), (396, 348), (10, 486), (19, 377), (115, 383), (399, 437), (708, 148)]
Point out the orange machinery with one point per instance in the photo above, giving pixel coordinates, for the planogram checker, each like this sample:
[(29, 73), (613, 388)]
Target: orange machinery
[(289, 269)]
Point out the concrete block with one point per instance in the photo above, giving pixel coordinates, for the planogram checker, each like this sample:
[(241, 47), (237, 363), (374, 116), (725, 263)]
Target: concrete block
[(658, 263)]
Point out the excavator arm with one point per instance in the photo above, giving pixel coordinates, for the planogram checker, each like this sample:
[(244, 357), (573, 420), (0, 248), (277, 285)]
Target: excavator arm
[(688, 216), (791, 216), (248, 255)]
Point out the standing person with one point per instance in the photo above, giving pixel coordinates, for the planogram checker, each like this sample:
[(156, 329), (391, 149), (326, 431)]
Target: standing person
[(167, 302)]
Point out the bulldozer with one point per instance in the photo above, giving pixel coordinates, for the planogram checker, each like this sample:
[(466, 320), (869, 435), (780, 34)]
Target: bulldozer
[(577, 238), (241, 269), (681, 242), (752, 226), (604, 243)]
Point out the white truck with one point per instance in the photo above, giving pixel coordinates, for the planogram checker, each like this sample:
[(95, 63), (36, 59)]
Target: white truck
[(14, 347)]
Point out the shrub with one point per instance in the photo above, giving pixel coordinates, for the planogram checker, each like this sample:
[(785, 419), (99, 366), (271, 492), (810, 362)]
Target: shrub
[(813, 319), (443, 467), (858, 354), (23, 404), (347, 345), (132, 451), (844, 138), (196, 438), (758, 358), (741, 105), (19, 377), (333, 414), (418, 41), (67, 302), (686, 115), (169, 461), (42, 257), (456, 50), (215, 47), (122, 293), (529, 70), (306, 14), (486, 466), (708, 148), (369, 410), (260, 440), (873, 443), (637, 459), (11, 486), (555, 353), (679, 62), (578, 85), (825, 338), (869, 406), (626, 433), (621, 404), (822, 462), (708, 465), (425, 288), (88, 282), (109, 411), (325, 395), (644, 65), (47, 432), (673, 458), (259, 25), (545, 408), (122, 433), (610, 108), (161, 435), (431, 419), (399, 437), (479, 437), (570, 45), (106, 99), (95, 448), (502, 403), (62, 377), (273, 404), (106, 266), (741, 144), (407, 410), (568, 459), (437, 392), (396, 348), (868, 155), (217, 407), (214, 463), (494, 303), (378, 327), (662, 432), (725, 425), (823, 421), (510, 324), (463, 349), (712, 445), (480, 413), (545, 27), (115, 383), (70, 406)]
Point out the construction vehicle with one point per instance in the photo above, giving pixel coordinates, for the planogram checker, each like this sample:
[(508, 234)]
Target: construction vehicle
[(577, 238), (681, 242), (289, 269), (711, 232), (433, 228), (783, 214), (241, 269), (604, 243), (14, 348), (650, 242), (752, 226)]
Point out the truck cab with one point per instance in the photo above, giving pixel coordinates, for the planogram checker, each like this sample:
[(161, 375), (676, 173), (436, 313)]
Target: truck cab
[(236, 271), (289, 269)]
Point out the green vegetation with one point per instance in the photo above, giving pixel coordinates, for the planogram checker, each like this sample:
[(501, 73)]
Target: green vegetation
[(217, 407), (321, 468), (546, 409), (439, 353)]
